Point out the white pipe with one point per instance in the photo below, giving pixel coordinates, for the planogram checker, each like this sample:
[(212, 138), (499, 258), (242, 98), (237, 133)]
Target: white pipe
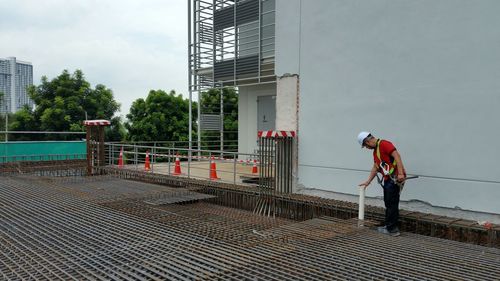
[(361, 211)]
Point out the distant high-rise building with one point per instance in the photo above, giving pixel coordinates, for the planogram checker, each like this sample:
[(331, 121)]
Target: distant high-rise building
[(15, 77)]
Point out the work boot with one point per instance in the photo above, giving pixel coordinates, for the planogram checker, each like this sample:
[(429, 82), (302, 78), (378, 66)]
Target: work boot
[(395, 232)]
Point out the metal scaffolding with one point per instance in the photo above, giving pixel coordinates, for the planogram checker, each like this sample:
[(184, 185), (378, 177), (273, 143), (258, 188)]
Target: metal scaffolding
[(230, 44)]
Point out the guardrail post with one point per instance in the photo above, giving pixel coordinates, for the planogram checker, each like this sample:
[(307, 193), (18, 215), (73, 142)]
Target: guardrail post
[(168, 159), (153, 157), (135, 157), (189, 163), (111, 154), (209, 162), (234, 168)]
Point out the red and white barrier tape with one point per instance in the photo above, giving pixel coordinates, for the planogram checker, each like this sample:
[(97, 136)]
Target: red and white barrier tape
[(276, 134)]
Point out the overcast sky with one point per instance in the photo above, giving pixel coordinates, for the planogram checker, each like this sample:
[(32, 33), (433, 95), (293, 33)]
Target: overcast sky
[(131, 46)]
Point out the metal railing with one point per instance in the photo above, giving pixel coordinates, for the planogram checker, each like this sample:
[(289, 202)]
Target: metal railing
[(39, 136), (222, 166), (229, 145)]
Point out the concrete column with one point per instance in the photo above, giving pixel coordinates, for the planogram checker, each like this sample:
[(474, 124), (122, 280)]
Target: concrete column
[(287, 102), (287, 112)]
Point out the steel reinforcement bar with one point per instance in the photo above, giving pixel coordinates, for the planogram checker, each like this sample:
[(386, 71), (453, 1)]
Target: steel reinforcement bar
[(50, 234), (55, 168), (303, 207)]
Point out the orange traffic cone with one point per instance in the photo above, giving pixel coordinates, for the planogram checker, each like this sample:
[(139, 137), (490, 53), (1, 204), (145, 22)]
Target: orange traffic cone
[(254, 168), (177, 169), (120, 159), (147, 165), (213, 170)]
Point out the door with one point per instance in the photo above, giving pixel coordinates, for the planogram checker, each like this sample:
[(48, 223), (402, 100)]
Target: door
[(266, 113)]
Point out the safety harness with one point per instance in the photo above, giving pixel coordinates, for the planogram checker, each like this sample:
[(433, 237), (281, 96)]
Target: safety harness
[(386, 170)]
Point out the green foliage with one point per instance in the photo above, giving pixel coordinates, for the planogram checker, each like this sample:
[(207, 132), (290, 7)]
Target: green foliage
[(62, 103), (210, 102), (23, 120), (161, 116), (116, 131)]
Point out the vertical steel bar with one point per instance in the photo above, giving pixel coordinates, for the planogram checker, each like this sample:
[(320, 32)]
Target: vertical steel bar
[(288, 164), (261, 164), (290, 161), (101, 154), (89, 152)]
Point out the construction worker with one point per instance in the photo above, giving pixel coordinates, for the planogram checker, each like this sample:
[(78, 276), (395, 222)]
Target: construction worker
[(387, 161)]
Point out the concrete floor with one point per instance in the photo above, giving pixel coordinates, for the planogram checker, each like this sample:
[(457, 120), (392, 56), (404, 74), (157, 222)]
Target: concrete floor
[(201, 170)]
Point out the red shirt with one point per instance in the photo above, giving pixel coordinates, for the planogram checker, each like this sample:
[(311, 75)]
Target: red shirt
[(386, 148)]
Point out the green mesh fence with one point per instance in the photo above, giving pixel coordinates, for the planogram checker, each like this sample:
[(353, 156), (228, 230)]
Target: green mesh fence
[(42, 150)]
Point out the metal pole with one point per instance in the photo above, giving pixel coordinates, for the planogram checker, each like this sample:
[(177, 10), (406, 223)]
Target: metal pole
[(190, 92), (199, 125), (214, 51), (191, 64), (168, 157), (234, 168), (153, 157), (135, 156), (221, 121), (189, 164), (6, 124), (111, 151), (236, 49), (209, 162), (260, 39)]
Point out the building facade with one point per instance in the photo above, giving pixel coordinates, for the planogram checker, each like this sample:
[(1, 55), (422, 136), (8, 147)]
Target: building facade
[(15, 77), (423, 74)]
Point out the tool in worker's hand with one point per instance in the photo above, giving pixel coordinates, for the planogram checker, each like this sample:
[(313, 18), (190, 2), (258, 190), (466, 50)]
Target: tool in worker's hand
[(384, 167)]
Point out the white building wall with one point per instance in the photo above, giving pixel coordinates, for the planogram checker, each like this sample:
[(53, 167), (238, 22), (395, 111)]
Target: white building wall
[(247, 115), (13, 84), (423, 74)]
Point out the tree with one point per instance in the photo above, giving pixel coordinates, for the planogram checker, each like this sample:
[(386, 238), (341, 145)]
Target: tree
[(161, 116), (63, 103), (116, 131), (24, 120), (210, 104)]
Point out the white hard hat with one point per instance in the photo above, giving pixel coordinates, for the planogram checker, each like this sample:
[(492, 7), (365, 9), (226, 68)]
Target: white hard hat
[(362, 136)]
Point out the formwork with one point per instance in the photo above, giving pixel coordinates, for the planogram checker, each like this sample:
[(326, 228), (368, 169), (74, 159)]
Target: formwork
[(103, 228)]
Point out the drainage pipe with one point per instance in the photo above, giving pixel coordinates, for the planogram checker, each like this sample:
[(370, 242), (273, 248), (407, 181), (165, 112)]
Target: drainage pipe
[(361, 211)]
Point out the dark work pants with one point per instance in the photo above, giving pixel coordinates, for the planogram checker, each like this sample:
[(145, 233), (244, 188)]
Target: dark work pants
[(391, 200)]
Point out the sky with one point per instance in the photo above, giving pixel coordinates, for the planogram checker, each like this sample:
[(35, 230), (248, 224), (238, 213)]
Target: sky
[(130, 46)]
